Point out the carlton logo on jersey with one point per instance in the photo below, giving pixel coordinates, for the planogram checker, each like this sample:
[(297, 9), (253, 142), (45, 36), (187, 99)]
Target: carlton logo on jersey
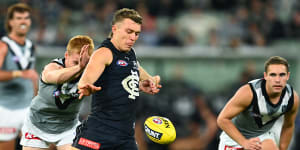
[(131, 84), (122, 63)]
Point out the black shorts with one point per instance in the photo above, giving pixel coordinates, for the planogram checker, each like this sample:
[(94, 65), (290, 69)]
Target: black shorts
[(91, 138)]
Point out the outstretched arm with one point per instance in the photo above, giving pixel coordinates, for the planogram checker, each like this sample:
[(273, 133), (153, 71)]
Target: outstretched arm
[(238, 103), (99, 60), (289, 125)]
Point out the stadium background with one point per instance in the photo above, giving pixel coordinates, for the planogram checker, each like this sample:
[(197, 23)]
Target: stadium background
[(212, 44)]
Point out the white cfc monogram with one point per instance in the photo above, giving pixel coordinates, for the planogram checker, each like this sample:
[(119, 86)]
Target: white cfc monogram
[(130, 84)]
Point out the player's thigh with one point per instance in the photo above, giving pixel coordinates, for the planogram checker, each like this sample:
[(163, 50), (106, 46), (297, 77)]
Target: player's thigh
[(8, 145), (74, 148), (64, 147), (269, 144), (33, 148)]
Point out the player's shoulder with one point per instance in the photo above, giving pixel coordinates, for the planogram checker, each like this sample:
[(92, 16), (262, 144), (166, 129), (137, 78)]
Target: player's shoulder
[(103, 54), (244, 95), (52, 66), (245, 90), (3, 47), (103, 51)]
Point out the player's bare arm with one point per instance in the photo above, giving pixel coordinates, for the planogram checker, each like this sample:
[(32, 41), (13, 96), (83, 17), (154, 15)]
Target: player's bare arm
[(56, 74), (97, 63), (289, 124), (4, 75), (238, 103), (149, 84)]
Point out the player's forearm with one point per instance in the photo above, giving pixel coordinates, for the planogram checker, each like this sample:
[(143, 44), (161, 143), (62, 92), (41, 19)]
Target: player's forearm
[(35, 87), (9, 75), (286, 136), (143, 74), (230, 129), (211, 128), (62, 75)]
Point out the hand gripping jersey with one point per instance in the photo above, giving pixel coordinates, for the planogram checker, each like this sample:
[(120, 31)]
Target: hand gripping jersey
[(262, 114), (55, 108), (17, 93), (114, 105)]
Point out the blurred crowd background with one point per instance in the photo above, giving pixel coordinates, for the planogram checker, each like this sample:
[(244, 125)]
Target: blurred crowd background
[(203, 49), (169, 22)]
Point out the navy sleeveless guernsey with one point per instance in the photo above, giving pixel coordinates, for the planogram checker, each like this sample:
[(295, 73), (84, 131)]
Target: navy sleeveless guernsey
[(114, 105)]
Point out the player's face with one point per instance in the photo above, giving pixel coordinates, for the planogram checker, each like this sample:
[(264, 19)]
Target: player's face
[(72, 59), (125, 34), (276, 78), (20, 23)]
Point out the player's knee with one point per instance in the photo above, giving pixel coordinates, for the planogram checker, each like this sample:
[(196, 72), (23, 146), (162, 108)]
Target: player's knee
[(269, 144), (74, 148)]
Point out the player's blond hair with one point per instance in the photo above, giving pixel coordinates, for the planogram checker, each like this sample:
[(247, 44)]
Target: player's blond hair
[(124, 13), (19, 7), (276, 60), (75, 44)]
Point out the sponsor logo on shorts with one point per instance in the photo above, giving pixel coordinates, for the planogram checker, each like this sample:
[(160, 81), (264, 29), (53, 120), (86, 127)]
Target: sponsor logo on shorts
[(232, 148), (30, 136), (7, 130), (88, 143)]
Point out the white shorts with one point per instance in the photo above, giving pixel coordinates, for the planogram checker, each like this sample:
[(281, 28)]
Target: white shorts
[(11, 122), (277, 127), (226, 143), (34, 137)]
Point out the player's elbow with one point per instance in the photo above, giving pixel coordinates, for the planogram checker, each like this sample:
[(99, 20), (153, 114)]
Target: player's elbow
[(221, 121)]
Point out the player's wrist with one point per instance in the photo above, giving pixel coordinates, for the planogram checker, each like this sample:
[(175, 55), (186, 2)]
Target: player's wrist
[(17, 74)]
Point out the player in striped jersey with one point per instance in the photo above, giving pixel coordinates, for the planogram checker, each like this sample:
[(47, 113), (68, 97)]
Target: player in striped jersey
[(250, 114), (53, 114), (18, 78)]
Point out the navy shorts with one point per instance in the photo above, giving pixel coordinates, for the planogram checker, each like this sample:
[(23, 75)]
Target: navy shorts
[(91, 137)]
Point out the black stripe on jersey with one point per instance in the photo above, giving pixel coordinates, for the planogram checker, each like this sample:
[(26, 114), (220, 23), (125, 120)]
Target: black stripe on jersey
[(58, 102), (14, 54), (255, 112), (64, 105), (60, 62), (291, 101), (31, 55), (32, 50)]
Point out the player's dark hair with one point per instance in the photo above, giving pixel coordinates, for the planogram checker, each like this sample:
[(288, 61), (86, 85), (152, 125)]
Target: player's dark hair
[(19, 7), (124, 13), (276, 60)]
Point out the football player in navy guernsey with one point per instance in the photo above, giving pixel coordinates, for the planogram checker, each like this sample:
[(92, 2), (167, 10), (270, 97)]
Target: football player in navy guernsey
[(53, 114), (18, 77), (248, 117), (114, 69)]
